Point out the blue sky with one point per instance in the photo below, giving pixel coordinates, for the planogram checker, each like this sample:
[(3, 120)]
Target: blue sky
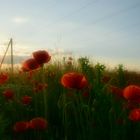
[(107, 30)]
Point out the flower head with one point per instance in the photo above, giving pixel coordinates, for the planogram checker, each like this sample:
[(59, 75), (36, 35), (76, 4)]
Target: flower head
[(38, 123), (41, 56), (39, 87), (132, 92), (3, 78), (118, 92), (74, 80), (26, 100), (20, 126), (134, 114), (8, 94), (30, 64)]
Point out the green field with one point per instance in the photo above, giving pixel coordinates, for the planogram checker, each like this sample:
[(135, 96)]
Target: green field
[(69, 100)]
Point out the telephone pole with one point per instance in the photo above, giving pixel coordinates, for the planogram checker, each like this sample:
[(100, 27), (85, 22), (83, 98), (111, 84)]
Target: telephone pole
[(12, 60), (10, 44)]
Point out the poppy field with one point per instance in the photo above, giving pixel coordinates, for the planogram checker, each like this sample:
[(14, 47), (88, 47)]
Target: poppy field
[(68, 100)]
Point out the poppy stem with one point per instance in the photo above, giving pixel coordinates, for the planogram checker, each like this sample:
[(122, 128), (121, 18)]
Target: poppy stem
[(44, 93)]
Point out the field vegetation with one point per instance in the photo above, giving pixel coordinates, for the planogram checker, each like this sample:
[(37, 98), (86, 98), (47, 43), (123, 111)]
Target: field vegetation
[(68, 100)]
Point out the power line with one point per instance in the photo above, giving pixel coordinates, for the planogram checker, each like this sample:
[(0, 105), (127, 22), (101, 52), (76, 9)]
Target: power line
[(136, 5), (98, 20), (112, 15), (116, 13), (122, 29), (110, 33), (73, 12)]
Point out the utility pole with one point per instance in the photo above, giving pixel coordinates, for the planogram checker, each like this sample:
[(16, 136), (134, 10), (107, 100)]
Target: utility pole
[(12, 61), (10, 44)]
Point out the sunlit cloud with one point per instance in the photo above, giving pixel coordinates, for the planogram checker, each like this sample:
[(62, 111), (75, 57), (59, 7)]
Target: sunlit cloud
[(20, 20)]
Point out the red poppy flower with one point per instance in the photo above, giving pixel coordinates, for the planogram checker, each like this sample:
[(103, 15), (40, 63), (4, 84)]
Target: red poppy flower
[(26, 100), (132, 92), (3, 78), (8, 94), (74, 80), (39, 87), (21, 126), (134, 114), (38, 123), (41, 56), (30, 64), (116, 91)]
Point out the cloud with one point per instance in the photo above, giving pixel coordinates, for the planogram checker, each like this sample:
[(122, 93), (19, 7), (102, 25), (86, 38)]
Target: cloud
[(19, 20)]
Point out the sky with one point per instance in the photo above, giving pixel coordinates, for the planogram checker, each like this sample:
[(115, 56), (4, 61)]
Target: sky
[(107, 31)]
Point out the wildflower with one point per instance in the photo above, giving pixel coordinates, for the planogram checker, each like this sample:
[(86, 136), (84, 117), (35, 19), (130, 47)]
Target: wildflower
[(21, 126), (24, 69), (38, 123), (3, 78), (26, 100), (30, 64), (8, 94), (74, 80), (134, 114), (116, 91), (41, 56), (132, 92), (39, 87)]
